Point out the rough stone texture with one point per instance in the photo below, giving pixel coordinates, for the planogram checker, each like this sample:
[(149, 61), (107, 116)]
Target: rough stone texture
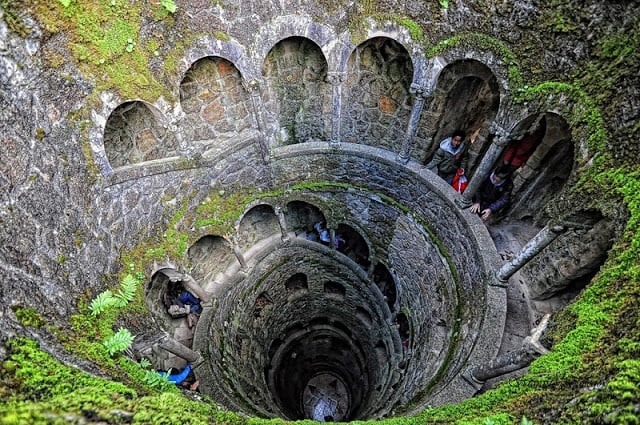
[(376, 94), (216, 105), (67, 212), (577, 255), (295, 72)]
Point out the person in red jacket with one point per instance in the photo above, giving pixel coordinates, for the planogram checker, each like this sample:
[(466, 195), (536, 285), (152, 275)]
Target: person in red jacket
[(519, 151)]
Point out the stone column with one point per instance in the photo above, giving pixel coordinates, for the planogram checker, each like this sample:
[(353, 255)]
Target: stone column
[(511, 361), (420, 93), (332, 236), (484, 169), (239, 255), (180, 350), (184, 149), (336, 79), (193, 286), (188, 282), (544, 237), (253, 87), (283, 223)]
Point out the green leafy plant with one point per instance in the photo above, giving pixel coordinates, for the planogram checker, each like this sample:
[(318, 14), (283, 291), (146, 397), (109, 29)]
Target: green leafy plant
[(120, 341), (157, 380), (127, 290), (169, 5), (102, 302), (65, 3), (130, 45), (124, 294)]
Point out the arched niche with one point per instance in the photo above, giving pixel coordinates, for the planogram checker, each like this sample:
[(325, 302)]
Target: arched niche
[(545, 172), (261, 302), (301, 216), (215, 103), (162, 296), (258, 223), (404, 329), (567, 265), (335, 288), (376, 103), (296, 283), (351, 243), (384, 280), (209, 256), (297, 93), (134, 133), (467, 97)]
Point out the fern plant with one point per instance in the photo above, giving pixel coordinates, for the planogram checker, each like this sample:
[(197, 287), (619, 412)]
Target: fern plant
[(102, 302), (127, 290), (124, 294), (120, 341), (157, 380)]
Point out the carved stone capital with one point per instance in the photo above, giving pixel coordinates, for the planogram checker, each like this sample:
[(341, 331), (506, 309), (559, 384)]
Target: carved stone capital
[(500, 132), (420, 91), (252, 86), (335, 78), (497, 129)]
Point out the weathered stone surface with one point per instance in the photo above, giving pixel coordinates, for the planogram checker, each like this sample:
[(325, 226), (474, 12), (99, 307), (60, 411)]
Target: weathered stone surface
[(74, 193)]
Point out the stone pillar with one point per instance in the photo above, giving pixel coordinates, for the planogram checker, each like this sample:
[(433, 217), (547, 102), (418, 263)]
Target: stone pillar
[(253, 87), (283, 223), (511, 361), (184, 149), (420, 94), (544, 237), (180, 350), (239, 255), (188, 282), (193, 286), (332, 236), (336, 79), (484, 169)]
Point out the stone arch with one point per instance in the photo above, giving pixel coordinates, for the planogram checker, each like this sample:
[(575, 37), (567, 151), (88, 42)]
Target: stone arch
[(301, 216), (387, 284), (177, 315), (545, 172), (154, 296), (377, 103), (568, 264), (297, 283), (295, 71), (230, 50), (400, 34), (467, 97), (134, 133), (258, 223), (209, 255), (261, 302), (404, 329), (352, 244), (335, 289), (215, 103)]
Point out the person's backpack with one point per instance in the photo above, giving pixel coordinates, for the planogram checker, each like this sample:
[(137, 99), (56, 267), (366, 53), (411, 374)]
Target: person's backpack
[(459, 181)]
